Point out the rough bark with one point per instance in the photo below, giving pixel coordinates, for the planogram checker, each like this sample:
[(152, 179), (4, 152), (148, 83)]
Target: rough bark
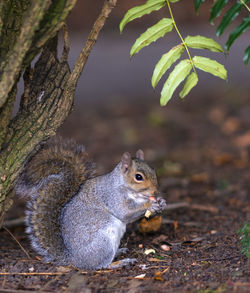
[(49, 86), (12, 65)]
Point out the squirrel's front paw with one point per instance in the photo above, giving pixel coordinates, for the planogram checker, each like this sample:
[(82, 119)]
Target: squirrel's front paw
[(162, 203), (158, 206)]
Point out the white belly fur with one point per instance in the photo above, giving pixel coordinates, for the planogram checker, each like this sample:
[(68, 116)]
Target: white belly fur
[(115, 232)]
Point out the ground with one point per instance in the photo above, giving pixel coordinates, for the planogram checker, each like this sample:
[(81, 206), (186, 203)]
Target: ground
[(201, 150)]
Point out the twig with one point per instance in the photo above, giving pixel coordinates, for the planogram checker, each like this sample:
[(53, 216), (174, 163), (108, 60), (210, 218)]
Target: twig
[(92, 37), (32, 273), (179, 34), (14, 223), (19, 291), (6, 229), (102, 271), (243, 2), (4, 282), (207, 208), (177, 205)]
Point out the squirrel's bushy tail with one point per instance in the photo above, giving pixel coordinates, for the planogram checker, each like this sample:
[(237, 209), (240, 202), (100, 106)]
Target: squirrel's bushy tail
[(50, 180)]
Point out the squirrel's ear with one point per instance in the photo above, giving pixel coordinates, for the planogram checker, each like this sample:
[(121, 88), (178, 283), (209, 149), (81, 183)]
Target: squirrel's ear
[(140, 155), (126, 161)]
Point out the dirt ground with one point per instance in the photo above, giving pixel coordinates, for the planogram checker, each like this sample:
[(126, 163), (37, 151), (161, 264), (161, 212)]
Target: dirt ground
[(201, 150)]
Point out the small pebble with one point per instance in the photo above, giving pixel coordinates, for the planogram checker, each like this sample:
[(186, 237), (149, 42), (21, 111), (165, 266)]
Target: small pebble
[(165, 247)]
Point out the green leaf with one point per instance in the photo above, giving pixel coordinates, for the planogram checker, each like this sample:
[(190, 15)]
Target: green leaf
[(210, 66), (246, 55), (238, 31), (197, 4), (217, 8), (200, 42), (173, 1), (191, 82), (139, 11), (180, 72), (152, 34), (228, 18), (165, 62)]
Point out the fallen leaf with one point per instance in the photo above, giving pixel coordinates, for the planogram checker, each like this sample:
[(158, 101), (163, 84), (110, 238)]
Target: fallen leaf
[(158, 275), (200, 178), (176, 224), (63, 269), (142, 276), (243, 140), (236, 202), (154, 259), (231, 125), (148, 251), (240, 164), (216, 115), (246, 209), (223, 159)]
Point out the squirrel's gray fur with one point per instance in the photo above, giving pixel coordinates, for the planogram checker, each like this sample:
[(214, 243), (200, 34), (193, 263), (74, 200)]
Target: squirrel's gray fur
[(75, 218)]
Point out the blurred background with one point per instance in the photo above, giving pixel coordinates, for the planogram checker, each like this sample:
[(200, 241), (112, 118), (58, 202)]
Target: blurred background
[(109, 66), (116, 108)]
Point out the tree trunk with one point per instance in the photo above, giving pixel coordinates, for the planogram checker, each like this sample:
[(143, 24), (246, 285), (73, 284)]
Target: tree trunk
[(49, 86)]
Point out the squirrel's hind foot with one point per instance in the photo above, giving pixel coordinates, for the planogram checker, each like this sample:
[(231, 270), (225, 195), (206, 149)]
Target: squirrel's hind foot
[(121, 251), (122, 263)]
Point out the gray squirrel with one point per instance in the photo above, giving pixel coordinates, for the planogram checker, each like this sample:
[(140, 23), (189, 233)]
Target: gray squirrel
[(75, 218)]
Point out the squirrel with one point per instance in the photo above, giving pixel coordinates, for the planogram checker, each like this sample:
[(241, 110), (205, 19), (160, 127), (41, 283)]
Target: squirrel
[(76, 218)]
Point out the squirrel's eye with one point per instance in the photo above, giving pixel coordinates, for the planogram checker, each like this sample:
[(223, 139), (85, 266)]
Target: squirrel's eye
[(138, 177)]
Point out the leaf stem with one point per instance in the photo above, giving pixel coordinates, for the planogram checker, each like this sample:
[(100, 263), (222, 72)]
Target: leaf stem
[(178, 32), (243, 3)]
